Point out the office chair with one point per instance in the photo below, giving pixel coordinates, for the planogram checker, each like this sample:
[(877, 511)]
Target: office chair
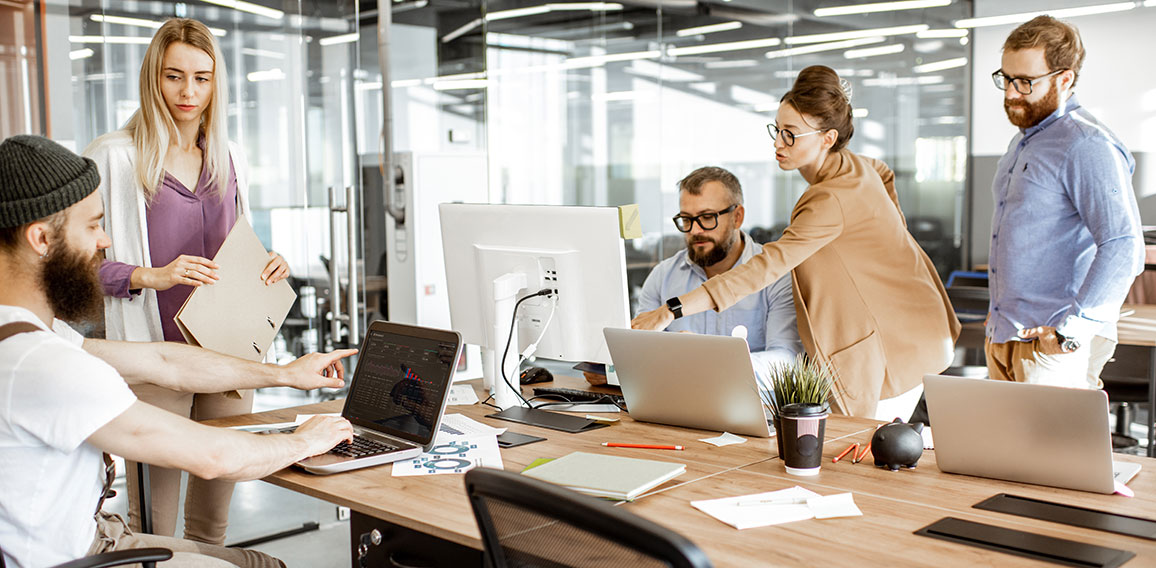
[(147, 557), (527, 523)]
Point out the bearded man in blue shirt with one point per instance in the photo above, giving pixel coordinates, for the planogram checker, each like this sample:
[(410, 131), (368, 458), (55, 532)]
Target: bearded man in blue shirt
[(1066, 242), (710, 217)]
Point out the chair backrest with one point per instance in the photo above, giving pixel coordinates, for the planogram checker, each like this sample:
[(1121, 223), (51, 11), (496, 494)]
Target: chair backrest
[(529, 523)]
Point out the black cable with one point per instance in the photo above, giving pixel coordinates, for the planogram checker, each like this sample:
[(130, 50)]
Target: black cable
[(510, 338)]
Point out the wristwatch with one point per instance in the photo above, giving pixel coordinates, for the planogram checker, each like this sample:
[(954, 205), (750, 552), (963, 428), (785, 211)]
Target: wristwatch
[(1068, 344), (675, 307)]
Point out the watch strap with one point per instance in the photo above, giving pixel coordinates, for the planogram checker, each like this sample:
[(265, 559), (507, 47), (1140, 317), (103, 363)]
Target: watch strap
[(675, 306)]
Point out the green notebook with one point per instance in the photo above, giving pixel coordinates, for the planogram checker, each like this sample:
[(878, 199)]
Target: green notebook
[(600, 475)]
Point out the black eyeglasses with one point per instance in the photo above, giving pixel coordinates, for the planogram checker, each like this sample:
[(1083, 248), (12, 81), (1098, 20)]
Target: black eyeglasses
[(1023, 85), (788, 136), (708, 221)]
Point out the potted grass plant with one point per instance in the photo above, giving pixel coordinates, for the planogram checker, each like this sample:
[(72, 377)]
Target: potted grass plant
[(804, 380)]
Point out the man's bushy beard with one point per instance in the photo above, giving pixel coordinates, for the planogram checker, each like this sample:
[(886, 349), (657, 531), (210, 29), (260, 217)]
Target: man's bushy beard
[(1034, 112), (71, 280), (716, 254)]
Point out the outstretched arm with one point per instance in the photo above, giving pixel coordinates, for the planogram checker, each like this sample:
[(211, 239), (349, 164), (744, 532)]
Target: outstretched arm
[(148, 434), (186, 368)]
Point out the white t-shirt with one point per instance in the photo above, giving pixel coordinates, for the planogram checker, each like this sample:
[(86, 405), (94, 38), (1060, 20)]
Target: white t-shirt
[(53, 396)]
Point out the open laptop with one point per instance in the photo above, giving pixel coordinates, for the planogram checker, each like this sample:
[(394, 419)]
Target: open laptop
[(1038, 434), (685, 379), (396, 397)]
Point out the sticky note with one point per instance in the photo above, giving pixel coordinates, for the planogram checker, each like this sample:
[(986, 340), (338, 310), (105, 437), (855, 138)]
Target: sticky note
[(629, 221)]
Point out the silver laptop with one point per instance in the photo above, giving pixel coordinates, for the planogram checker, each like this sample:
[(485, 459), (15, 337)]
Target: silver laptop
[(396, 397), (1038, 434), (685, 379)]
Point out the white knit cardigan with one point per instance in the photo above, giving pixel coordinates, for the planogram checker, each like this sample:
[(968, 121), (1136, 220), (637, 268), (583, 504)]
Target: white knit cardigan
[(137, 318)]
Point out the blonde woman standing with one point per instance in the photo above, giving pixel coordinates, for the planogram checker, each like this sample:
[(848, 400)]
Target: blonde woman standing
[(868, 299), (173, 185)]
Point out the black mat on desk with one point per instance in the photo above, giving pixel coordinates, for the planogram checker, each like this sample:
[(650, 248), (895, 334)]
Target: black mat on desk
[(547, 419), (1026, 544), (1070, 515)]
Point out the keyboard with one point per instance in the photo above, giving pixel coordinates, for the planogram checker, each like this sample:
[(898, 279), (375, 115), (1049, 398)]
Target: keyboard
[(576, 395), (361, 447)]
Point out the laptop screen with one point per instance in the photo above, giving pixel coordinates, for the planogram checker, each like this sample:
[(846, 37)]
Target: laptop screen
[(401, 382)]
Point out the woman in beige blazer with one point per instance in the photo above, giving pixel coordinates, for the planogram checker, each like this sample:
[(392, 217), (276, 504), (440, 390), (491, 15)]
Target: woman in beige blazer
[(868, 298)]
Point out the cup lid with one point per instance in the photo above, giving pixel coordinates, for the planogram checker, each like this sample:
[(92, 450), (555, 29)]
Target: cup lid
[(803, 409)]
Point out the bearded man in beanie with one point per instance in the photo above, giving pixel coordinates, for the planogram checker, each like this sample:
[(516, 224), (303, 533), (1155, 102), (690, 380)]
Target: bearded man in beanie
[(65, 401)]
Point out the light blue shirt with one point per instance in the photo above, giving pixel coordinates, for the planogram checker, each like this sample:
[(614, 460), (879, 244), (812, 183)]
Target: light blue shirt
[(768, 315), (1066, 242)]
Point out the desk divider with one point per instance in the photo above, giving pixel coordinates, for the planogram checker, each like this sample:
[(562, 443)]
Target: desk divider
[(1026, 544), (1070, 515)]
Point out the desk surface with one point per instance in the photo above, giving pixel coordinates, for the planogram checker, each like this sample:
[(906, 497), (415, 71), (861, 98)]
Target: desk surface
[(1139, 326), (894, 504)]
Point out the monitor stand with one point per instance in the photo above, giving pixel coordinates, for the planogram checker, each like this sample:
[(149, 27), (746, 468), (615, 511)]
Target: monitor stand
[(547, 419)]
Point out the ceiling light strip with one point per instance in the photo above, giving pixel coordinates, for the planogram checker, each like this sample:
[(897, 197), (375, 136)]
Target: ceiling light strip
[(839, 36), (874, 51), (728, 46), (713, 28), (940, 65), (803, 50), (880, 7), (242, 6), (1025, 16)]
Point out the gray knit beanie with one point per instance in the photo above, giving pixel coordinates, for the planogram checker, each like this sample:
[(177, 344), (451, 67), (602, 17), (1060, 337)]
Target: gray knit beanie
[(39, 177)]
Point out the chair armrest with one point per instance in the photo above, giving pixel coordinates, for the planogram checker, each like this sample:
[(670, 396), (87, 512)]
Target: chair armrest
[(120, 558)]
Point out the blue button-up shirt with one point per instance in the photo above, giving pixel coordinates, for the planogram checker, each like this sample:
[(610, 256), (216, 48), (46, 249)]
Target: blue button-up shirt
[(768, 316), (1066, 242)]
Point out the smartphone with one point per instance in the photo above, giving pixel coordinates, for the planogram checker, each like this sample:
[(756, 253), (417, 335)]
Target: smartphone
[(510, 439)]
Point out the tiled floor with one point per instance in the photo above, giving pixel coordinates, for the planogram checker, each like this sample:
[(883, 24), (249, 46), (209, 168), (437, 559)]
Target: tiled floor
[(260, 509)]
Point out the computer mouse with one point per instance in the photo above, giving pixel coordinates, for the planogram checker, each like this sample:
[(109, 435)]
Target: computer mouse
[(535, 375)]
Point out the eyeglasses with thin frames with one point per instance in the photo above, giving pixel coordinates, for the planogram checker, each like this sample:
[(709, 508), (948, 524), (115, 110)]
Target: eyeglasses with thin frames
[(1023, 85), (788, 136), (708, 221)]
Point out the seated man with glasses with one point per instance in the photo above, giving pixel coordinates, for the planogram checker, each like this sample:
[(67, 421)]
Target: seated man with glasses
[(711, 217)]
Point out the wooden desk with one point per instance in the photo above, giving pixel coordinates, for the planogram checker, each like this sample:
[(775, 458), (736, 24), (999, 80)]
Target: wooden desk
[(431, 513)]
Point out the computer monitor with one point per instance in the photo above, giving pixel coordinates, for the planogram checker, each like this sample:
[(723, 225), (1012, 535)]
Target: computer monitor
[(498, 254)]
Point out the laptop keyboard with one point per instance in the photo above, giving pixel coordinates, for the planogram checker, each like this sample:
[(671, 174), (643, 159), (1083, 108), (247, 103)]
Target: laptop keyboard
[(361, 447)]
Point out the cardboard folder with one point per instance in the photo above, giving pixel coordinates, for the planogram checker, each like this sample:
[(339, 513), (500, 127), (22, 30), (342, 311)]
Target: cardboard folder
[(238, 315)]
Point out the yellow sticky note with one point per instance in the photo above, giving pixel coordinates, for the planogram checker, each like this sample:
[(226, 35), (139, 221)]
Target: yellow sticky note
[(629, 221)]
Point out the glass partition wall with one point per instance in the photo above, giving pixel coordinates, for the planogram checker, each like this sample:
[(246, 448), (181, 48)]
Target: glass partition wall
[(583, 103)]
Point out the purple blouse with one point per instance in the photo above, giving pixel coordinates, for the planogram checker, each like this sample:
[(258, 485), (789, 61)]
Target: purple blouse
[(179, 222)]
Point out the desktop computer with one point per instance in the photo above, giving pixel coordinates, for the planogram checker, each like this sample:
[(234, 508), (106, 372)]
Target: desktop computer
[(498, 257)]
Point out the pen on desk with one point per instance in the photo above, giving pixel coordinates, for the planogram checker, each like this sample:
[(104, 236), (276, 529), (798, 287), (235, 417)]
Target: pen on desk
[(786, 501), (862, 454), (849, 449), (642, 446)]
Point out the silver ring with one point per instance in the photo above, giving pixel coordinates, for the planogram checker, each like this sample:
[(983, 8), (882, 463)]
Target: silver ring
[(186, 272)]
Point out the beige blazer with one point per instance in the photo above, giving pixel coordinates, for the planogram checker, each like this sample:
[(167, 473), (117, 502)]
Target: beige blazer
[(868, 298)]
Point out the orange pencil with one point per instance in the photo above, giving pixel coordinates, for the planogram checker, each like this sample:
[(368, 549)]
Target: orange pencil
[(850, 448), (863, 454)]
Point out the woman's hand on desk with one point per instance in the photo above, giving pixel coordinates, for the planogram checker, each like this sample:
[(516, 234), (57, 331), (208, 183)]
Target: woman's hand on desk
[(184, 270), (317, 370), (322, 433), (655, 320)]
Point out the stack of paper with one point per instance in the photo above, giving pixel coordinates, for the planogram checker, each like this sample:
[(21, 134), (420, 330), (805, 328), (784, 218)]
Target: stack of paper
[(600, 475)]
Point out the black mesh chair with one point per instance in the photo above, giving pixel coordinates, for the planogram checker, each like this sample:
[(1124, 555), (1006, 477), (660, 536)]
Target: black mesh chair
[(146, 557), (526, 523)]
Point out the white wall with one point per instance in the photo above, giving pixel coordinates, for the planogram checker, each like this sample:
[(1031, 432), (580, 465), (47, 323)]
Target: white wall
[(1117, 84)]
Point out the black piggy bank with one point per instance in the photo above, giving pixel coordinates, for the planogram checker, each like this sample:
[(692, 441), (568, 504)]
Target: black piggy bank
[(897, 445)]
